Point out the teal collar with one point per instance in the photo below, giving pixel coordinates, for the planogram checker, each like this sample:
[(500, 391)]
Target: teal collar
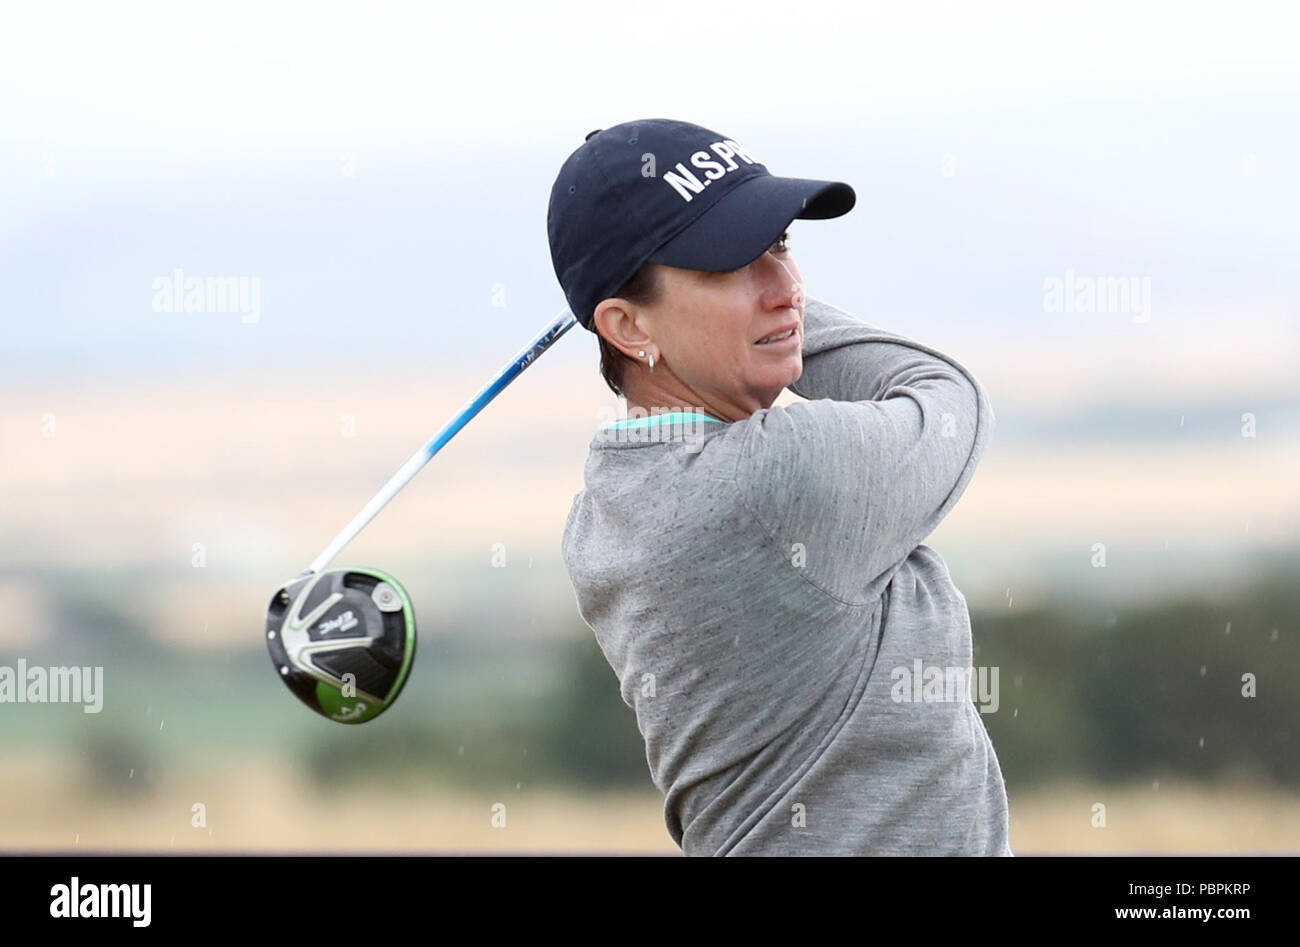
[(674, 417)]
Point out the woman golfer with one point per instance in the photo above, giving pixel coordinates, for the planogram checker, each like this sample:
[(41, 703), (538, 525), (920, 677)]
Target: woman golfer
[(754, 574)]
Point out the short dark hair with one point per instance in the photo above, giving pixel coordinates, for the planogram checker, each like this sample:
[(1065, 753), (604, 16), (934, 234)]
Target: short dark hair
[(644, 289)]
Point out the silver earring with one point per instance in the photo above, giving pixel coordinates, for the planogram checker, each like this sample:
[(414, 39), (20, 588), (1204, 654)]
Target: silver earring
[(641, 353), (652, 364)]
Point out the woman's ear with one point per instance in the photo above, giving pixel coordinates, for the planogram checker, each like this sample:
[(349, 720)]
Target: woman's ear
[(615, 321)]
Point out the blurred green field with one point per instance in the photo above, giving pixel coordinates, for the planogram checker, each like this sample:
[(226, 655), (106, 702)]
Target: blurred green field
[(261, 805), (1139, 709)]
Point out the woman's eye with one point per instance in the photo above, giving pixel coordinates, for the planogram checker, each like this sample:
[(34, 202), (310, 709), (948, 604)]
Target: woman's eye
[(781, 245)]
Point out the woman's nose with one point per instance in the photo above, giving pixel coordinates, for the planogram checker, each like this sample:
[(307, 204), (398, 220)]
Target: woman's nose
[(781, 281)]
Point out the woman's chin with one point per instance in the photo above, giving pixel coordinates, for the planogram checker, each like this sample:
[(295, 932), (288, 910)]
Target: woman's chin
[(773, 383), (788, 374)]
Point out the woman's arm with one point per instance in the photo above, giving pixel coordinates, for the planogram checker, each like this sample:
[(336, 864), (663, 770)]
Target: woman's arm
[(864, 471)]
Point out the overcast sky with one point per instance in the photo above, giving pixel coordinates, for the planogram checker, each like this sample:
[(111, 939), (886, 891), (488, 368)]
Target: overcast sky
[(383, 170), (229, 78)]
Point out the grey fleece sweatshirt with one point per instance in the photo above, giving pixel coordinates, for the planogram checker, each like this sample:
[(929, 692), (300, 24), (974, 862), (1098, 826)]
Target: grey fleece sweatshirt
[(761, 592)]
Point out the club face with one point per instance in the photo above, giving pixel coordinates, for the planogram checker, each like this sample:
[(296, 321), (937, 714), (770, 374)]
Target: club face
[(343, 641)]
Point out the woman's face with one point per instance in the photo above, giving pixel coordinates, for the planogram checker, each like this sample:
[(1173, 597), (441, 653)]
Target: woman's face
[(705, 332)]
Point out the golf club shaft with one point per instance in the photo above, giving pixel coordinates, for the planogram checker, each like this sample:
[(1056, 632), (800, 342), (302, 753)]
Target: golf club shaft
[(509, 373)]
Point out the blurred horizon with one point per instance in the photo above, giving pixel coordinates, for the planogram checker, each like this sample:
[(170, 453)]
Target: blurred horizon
[(137, 479)]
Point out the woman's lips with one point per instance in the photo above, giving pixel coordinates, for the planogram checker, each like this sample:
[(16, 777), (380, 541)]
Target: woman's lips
[(789, 341)]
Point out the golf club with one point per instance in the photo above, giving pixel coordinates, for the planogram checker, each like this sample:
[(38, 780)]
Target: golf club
[(343, 640)]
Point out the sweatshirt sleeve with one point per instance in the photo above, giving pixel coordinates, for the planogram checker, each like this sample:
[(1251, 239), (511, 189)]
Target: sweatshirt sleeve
[(850, 482)]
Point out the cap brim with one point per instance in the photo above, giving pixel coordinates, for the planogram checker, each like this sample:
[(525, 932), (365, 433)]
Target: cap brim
[(745, 222)]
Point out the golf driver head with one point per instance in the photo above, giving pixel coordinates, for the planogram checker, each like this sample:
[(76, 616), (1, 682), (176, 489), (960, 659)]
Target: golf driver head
[(343, 640)]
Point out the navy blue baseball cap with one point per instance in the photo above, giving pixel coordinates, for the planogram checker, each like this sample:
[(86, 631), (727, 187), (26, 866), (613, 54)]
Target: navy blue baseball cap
[(663, 191)]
